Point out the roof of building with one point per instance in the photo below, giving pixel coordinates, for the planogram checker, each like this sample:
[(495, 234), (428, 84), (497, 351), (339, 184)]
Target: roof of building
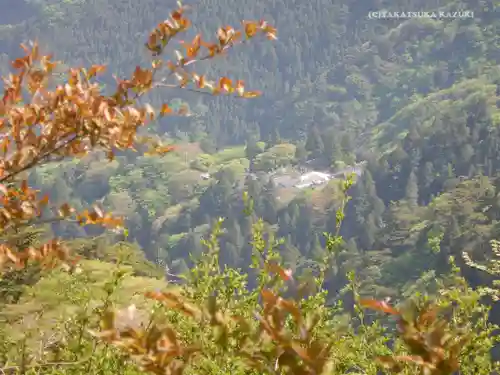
[(314, 175)]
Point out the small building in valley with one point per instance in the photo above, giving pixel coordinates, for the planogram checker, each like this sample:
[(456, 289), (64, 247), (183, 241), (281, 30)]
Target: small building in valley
[(313, 178)]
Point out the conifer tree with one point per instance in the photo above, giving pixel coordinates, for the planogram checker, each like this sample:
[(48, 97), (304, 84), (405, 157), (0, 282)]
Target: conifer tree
[(411, 192), (314, 143)]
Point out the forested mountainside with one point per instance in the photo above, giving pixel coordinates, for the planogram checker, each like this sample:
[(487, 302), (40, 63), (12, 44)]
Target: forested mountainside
[(415, 98), (411, 106)]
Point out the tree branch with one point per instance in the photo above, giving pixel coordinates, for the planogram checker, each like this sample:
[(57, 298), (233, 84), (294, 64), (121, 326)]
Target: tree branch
[(37, 222), (39, 159)]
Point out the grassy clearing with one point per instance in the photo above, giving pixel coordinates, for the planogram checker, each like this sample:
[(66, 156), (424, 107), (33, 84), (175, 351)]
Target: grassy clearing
[(59, 295), (230, 153)]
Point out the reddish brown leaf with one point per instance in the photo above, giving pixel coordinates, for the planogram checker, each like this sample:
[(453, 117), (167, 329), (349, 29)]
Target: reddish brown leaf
[(250, 29), (382, 306), (226, 84), (284, 274), (301, 352), (65, 210), (165, 109), (95, 69), (251, 94), (45, 200), (268, 297)]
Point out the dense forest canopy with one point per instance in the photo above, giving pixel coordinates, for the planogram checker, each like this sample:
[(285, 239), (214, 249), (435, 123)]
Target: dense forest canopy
[(405, 111)]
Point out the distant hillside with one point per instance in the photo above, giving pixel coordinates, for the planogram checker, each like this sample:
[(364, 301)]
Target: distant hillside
[(331, 67), (416, 99)]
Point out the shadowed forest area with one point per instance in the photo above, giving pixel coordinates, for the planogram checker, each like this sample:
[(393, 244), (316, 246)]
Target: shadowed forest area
[(331, 205)]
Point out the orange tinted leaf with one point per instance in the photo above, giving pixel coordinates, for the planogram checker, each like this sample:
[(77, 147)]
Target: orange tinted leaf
[(65, 210), (5, 144), (428, 316), (226, 84), (165, 109), (95, 69), (192, 50), (177, 14), (379, 306), (171, 66), (111, 222), (98, 211), (250, 29), (213, 49), (268, 297), (24, 186), (10, 256), (164, 149), (251, 94), (271, 36), (292, 308), (201, 82), (301, 352), (44, 200), (269, 30), (19, 63), (154, 295), (284, 274)]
